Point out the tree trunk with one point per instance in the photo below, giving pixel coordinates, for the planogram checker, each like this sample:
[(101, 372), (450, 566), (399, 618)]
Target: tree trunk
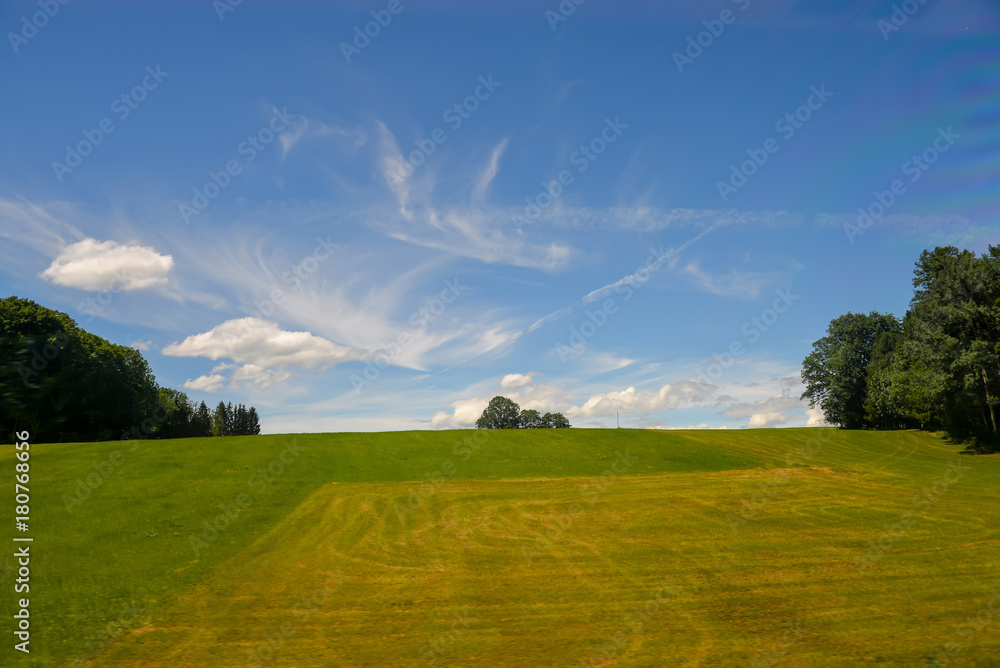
[(989, 400)]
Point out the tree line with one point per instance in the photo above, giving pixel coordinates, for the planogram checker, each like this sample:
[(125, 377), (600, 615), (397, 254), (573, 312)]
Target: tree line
[(64, 384), (503, 413), (936, 369)]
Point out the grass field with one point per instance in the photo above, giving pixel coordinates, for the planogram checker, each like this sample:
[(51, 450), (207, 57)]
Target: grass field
[(787, 547)]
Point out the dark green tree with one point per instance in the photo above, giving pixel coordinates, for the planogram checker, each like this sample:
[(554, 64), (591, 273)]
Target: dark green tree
[(530, 419), (253, 421), (178, 415), (62, 383), (500, 413), (202, 421), (555, 421), (836, 372)]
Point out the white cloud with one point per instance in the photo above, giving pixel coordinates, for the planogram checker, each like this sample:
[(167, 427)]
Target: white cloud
[(464, 413), (491, 171), (631, 400), (108, 265), (140, 345), (515, 380), (308, 129), (212, 383), (761, 420), (262, 351), (263, 343), (768, 412)]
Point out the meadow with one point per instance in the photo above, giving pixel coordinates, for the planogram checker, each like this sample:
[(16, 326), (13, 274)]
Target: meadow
[(553, 547)]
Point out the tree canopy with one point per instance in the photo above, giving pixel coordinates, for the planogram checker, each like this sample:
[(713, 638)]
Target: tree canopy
[(62, 383), (937, 369), (503, 413)]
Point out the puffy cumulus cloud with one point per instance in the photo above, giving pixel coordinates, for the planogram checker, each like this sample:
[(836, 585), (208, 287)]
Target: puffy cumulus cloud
[(515, 380), (464, 413), (541, 397), (263, 343), (105, 265), (631, 400), (768, 412), (140, 345), (261, 351), (761, 420), (816, 418), (210, 383)]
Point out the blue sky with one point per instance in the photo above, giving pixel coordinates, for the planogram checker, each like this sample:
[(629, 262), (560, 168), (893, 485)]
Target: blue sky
[(649, 208)]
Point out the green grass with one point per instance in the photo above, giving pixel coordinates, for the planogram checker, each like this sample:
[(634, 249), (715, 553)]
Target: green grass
[(743, 546)]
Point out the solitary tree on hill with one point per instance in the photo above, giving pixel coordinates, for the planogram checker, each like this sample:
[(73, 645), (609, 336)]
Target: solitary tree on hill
[(500, 413)]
